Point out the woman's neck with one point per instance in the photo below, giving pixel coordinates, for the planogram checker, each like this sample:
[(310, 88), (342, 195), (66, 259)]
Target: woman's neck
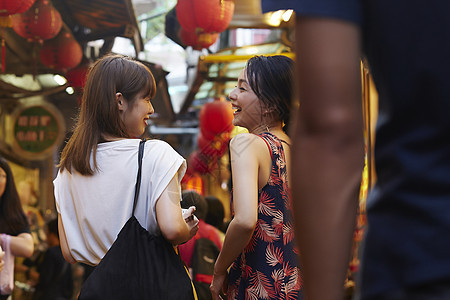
[(272, 128), (109, 138)]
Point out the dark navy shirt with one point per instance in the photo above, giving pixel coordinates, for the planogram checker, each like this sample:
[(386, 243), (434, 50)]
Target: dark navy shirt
[(407, 44)]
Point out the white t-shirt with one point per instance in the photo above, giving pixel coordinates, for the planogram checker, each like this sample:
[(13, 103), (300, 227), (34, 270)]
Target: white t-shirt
[(94, 208)]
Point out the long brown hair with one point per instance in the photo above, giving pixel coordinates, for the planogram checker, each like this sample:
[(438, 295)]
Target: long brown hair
[(99, 112), (12, 217)]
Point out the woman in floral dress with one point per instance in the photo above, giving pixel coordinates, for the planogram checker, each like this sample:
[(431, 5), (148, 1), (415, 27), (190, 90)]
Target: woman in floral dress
[(259, 245)]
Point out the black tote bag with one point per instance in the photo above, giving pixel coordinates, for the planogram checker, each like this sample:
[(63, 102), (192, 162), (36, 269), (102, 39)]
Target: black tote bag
[(139, 265)]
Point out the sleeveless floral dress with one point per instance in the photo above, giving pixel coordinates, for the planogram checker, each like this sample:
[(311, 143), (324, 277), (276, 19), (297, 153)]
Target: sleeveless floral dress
[(268, 268)]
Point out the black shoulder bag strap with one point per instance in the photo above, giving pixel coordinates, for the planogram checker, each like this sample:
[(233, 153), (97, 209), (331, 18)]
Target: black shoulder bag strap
[(138, 180)]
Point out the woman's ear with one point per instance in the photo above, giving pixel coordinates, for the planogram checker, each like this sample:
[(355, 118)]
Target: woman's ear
[(120, 101)]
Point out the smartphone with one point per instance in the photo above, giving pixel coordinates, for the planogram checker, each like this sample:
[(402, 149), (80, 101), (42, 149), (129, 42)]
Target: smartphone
[(189, 218)]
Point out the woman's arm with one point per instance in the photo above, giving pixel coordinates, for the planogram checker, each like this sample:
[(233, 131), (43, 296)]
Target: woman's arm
[(244, 166), (22, 245), (169, 217), (63, 242)]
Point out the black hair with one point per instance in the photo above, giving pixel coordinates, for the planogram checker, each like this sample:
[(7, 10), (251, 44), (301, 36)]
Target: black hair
[(12, 217), (52, 227), (192, 198), (216, 212), (271, 79)]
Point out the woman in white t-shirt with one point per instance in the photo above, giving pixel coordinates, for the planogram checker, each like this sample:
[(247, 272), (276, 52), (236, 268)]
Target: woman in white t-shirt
[(95, 185)]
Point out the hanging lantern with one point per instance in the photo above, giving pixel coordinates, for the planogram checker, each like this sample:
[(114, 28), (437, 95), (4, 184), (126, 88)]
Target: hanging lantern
[(213, 148), (41, 22), (77, 76), (7, 9), (198, 41), (12, 7), (61, 53), (212, 16), (216, 117)]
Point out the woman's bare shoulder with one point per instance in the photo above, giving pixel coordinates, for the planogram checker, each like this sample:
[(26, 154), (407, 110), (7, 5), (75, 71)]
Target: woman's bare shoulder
[(245, 140)]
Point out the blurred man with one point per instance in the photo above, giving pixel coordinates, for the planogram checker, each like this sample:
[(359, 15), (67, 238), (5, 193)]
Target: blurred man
[(406, 254)]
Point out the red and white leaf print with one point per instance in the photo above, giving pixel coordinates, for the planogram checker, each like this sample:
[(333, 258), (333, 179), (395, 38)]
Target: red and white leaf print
[(251, 245), (281, 163), (261, 284), (277, 222), (251, 294), (275, 178), (278, 276), (246, 271), (294, 283), (288, 233), (274, 255), (265, 232), (266, 205)]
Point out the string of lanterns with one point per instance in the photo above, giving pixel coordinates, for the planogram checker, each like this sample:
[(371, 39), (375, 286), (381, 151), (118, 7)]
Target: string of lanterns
[(40, 23), (201, 23), (216, 119), (9, 8)]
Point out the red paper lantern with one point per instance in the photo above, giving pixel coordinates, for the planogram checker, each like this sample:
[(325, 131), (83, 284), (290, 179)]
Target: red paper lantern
[(216, 117), (198, 41), (212, 16), (77, 76), (12, 7), (215, 147), (41, 22), (61, 53)]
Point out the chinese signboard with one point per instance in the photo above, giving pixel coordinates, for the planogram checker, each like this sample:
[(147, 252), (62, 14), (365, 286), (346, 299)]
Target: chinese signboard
[(37, 130)]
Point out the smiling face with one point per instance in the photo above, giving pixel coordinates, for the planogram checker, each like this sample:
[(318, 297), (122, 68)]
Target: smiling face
[(135, 114), (246, 105)]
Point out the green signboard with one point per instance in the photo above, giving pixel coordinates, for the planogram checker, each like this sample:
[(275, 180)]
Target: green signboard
[(36, 129)]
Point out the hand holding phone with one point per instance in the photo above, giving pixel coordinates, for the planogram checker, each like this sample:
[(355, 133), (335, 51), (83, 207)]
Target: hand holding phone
[(188, 213), (191, 220)]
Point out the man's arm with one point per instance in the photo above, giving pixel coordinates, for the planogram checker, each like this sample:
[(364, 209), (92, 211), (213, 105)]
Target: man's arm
[(328, 151)]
